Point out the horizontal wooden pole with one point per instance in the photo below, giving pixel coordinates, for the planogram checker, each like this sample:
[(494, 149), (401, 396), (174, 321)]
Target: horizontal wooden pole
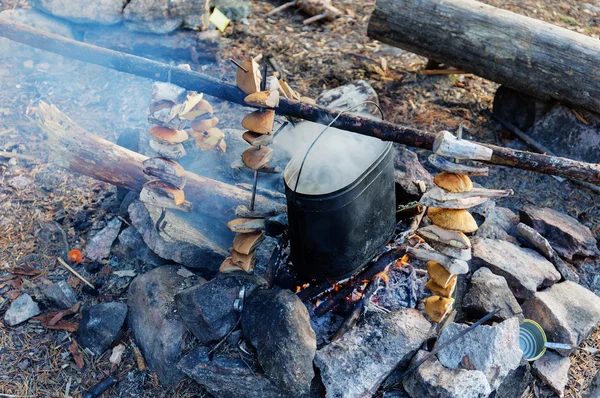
[(191, 80)]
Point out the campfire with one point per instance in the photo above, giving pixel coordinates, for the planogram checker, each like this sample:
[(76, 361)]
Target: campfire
[(268, 242)]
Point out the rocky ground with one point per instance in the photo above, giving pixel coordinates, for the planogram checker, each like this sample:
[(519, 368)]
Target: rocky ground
[(46, 211)]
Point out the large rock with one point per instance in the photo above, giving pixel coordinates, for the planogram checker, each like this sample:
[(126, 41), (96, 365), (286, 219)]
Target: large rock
[(20, 310), (494, 350), (356, 364), (131, 247), (106, 12), (553, 369), (407, 170), (234, 9), (153, 320), (61, 295), (178, 241), (566, 235), (101, 325), (164, 16), (525, 270), (227, 377), (500, 223), (515, 383), (567, 312), (99, 246), (594, 388), (207, 309), (488, 292), (277, 324), (432, 380)]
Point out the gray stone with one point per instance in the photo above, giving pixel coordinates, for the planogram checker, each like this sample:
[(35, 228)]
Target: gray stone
[(20, 182), (524, 269), (154, 323), (207, 309), (515, 384), (131, 246), (561, 132), (20, 310), (500, 223), (106, 12), (488, 292), (567, 312), (494, 350), (164, 16), (591, 7), (407, 169), (99, 246), (553, 370), (566, 235), (234, 9), (101, 325), (277, 324), (227, 377), (594, 388), (356, 364), (432, 380), (178, 241), (61, 295)]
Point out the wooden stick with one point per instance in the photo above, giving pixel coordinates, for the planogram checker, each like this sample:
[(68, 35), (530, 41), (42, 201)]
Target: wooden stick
[(282, 7), (443, 72), (5, 154), (67, 266), (195, 81)]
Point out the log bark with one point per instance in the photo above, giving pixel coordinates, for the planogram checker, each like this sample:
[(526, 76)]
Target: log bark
[(78, 150), (528, 55), (190, 80)]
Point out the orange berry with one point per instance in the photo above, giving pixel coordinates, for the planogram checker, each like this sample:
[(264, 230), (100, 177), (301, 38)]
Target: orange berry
[(75, 256)]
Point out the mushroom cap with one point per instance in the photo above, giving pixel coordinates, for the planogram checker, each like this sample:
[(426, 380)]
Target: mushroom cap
[(259, 121), (167, 190), (209, 139), (256, 157), (453, 219), (256, 139), (248, 82), (228, 266), (246, 261), (246, 243), (163, 165), (453, 182), (246, 225), (437, 307), (266, 99), (200, 125), (201, 108), (441, 291), (168, 135), (439, 274)]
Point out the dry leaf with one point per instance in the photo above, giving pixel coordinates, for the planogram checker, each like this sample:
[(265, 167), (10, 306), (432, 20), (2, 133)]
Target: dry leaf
[(76, 355)]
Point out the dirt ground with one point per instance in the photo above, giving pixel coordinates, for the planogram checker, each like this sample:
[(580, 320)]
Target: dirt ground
[(57, 210)]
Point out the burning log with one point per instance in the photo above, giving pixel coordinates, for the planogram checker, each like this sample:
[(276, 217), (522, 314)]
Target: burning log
[(85, 153), (528, 55), (386, 131)]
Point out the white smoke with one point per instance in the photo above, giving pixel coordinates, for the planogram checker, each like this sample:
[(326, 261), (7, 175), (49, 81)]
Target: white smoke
[(336, 160)]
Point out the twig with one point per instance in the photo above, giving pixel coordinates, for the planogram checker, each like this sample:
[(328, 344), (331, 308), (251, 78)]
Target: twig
[(67, 266), (408, 211), (5, 154), (282, 7), (233, 61), (443, 72)]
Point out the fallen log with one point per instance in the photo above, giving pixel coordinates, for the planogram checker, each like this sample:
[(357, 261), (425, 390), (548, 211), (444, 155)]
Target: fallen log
[(190, 80), (528, 55), (79, 151)]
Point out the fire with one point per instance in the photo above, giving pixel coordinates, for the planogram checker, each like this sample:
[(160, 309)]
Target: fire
[(402, 261), (383, 275), (298, 288)]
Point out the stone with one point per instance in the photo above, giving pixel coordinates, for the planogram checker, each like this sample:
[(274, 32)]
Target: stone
[(131, 246), (105, 12), (100, 325), (154, 323), (594, 388), (164, 16), (566, 235), (500, 223), (524, 269), (357, 364), (20, 182), (407, 169), (553, 370), (432, 380), (234, 9), (20, 310), (494, 350), (61, 295), (561, 132), (178, 241), (277, 324), (567, 312), (515, 384), (207, 309), (488, 292), (99, 246), (227, 377)]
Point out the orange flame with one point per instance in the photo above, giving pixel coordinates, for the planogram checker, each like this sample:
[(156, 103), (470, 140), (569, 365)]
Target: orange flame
[(383, 275)]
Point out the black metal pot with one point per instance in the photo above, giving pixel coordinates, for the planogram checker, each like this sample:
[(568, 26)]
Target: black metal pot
[(333, 235)]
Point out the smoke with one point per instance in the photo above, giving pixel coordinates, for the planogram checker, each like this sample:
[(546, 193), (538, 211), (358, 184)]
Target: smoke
[(336, 160)]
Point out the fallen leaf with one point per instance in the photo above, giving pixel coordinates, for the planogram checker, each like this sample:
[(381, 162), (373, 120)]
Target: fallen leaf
[(12, 295), (76, 355)]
